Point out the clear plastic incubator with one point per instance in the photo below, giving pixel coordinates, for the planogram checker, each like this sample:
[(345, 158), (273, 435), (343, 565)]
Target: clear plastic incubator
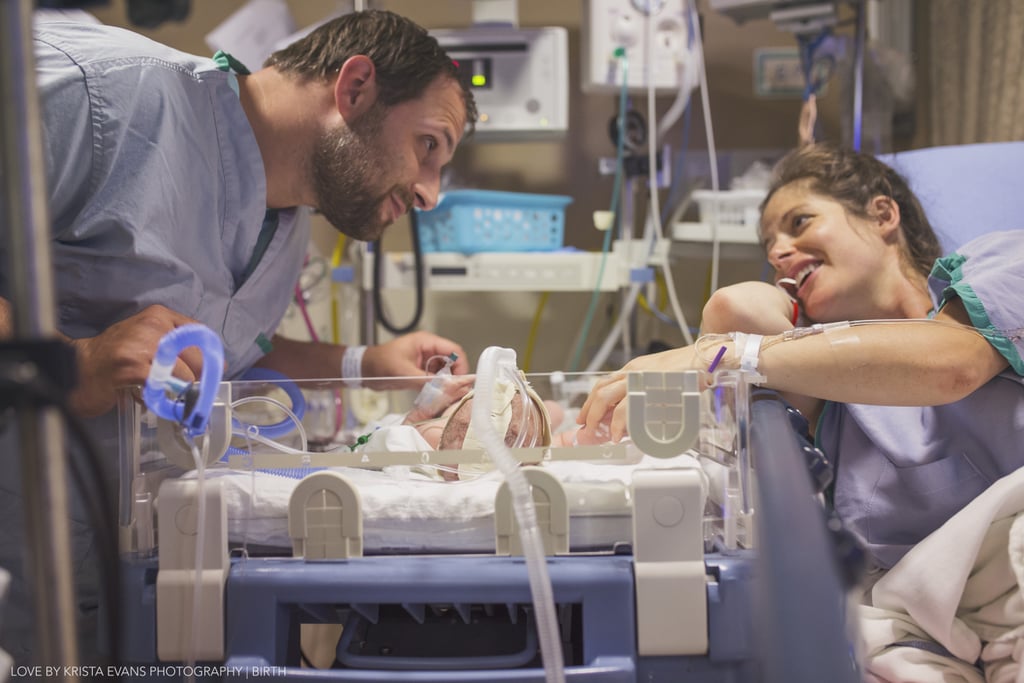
[(490, 541)]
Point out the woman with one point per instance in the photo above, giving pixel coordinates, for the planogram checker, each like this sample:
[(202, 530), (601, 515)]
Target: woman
[(920, 413)]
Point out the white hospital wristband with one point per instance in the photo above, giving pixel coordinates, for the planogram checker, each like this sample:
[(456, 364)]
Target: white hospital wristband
[(748, 347), (352, 362)]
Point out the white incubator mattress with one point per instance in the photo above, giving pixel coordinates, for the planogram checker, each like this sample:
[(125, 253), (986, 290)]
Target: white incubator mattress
[(405, 512)]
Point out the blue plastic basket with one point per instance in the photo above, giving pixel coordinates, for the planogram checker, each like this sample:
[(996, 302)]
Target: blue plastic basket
[(472, 221)]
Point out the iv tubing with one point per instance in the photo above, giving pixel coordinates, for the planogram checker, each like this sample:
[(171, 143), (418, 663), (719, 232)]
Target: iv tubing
[(291, 389), (654, 214), (712, 153), (614, 210), (492, 360), (708, 340), (260, 433), (609, 342), (197, 596)]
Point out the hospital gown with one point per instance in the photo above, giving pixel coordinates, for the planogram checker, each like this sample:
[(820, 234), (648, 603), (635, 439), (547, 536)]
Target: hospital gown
[(901, 472), (157, 196)]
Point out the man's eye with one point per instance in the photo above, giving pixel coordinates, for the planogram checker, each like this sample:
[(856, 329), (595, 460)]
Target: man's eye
[(431, 143)]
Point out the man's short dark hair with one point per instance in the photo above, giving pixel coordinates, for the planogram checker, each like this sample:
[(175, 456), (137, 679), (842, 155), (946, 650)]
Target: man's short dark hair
[(407, 59)]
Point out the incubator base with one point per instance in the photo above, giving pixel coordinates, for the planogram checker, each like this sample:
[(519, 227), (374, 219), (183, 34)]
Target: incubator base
[(401, 615)]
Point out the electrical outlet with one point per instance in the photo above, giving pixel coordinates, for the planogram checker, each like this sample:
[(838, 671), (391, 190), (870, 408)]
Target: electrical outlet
[(612, 24)]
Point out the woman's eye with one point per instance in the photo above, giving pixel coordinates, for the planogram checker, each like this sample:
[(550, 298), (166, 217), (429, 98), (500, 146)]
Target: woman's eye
[(800, 220)]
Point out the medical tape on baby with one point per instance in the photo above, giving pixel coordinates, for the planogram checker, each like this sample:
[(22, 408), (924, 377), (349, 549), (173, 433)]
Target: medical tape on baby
[(502, 394), (501, 418), (748, 348)]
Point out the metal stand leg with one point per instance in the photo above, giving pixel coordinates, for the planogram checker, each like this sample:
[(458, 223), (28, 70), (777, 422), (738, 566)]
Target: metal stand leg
[(33, 316)]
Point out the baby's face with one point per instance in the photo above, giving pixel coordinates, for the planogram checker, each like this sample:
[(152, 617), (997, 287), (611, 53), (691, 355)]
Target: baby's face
[(454, 434)]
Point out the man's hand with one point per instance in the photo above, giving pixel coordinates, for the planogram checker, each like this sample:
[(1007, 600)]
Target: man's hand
[(121, 356), (407, 356)]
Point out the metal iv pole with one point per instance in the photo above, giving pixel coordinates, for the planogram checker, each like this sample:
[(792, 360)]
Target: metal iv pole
[(858, 76), (40, 430)]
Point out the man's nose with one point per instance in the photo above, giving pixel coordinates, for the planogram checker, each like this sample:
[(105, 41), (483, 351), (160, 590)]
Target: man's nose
[(427, 191)]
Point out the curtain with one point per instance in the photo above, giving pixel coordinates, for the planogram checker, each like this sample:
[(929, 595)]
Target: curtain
[(976, 72)]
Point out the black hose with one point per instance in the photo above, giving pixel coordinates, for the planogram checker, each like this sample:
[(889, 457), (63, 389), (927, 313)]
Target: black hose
[(378, 264)]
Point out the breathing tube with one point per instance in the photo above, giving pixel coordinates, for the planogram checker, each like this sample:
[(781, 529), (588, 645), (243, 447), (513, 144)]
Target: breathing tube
[(494, 361), (291, 390), (191, 410)]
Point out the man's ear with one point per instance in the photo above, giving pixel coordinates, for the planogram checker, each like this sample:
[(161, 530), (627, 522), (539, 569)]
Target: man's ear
[(887, 214), (355, 89)]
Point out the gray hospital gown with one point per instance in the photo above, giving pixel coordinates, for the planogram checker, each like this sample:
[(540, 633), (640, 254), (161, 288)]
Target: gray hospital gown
[(903, 471)]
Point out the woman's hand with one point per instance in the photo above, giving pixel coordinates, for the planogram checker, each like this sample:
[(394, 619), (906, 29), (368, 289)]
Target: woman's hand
[(605, 404)]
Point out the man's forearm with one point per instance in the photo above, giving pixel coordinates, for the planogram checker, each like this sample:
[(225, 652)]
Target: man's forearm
[(303, 360)]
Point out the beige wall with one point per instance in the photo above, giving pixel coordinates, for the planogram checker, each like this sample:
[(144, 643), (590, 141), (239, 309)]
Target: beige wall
[(568, 166)]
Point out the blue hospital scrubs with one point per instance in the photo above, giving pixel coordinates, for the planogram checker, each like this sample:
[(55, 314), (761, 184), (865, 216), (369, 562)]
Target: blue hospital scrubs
[(903, 471), (158, 191), (157, 196)]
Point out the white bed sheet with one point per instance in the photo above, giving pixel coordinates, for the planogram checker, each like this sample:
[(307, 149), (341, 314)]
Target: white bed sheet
[(405, 512)]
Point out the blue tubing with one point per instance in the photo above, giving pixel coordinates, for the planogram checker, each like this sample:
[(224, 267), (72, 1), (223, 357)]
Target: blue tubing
[(290, 388), (160, 379)]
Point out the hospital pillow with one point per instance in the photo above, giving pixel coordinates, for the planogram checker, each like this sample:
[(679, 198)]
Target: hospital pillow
[(966, 190)]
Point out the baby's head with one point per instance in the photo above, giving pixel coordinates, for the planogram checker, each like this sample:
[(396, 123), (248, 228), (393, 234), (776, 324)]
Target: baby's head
[(525, 423), (521, 430)]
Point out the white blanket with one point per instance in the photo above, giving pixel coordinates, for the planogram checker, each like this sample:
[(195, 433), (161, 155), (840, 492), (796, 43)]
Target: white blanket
[(959, 590), (409, 511)]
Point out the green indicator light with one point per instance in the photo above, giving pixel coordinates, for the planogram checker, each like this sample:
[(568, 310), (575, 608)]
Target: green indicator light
[(479, 80)]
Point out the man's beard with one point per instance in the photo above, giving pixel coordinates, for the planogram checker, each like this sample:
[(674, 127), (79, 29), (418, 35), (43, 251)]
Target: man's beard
[(348, 163)]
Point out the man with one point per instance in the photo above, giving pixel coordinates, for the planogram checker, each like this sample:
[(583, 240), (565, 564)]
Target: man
[(174, 182), (162, 169)]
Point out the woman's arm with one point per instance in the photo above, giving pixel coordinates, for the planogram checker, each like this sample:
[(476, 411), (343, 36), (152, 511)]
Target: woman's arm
[(908, 362), (756, 307), (905, 362)]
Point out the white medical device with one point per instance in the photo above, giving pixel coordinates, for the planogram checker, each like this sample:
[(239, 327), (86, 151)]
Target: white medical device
[(609, 25), (519, 78)]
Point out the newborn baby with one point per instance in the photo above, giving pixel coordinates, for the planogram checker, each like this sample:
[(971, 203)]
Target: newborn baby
[(525, 424), (441, 419)]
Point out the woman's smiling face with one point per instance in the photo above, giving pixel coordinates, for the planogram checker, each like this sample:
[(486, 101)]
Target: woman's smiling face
[(835, 259)]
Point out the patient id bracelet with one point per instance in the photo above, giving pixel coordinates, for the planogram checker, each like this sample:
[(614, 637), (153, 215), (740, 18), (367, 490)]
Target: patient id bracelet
[(748, 347), (352, 362)]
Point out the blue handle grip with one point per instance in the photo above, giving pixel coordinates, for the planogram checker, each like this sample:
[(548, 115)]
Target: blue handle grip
[(160, 379)]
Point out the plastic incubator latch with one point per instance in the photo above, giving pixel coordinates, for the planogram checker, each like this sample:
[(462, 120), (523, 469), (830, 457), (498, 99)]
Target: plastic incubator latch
[(176, 579), (663, 411), (552, 507), (325, 519), (668, 552)]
